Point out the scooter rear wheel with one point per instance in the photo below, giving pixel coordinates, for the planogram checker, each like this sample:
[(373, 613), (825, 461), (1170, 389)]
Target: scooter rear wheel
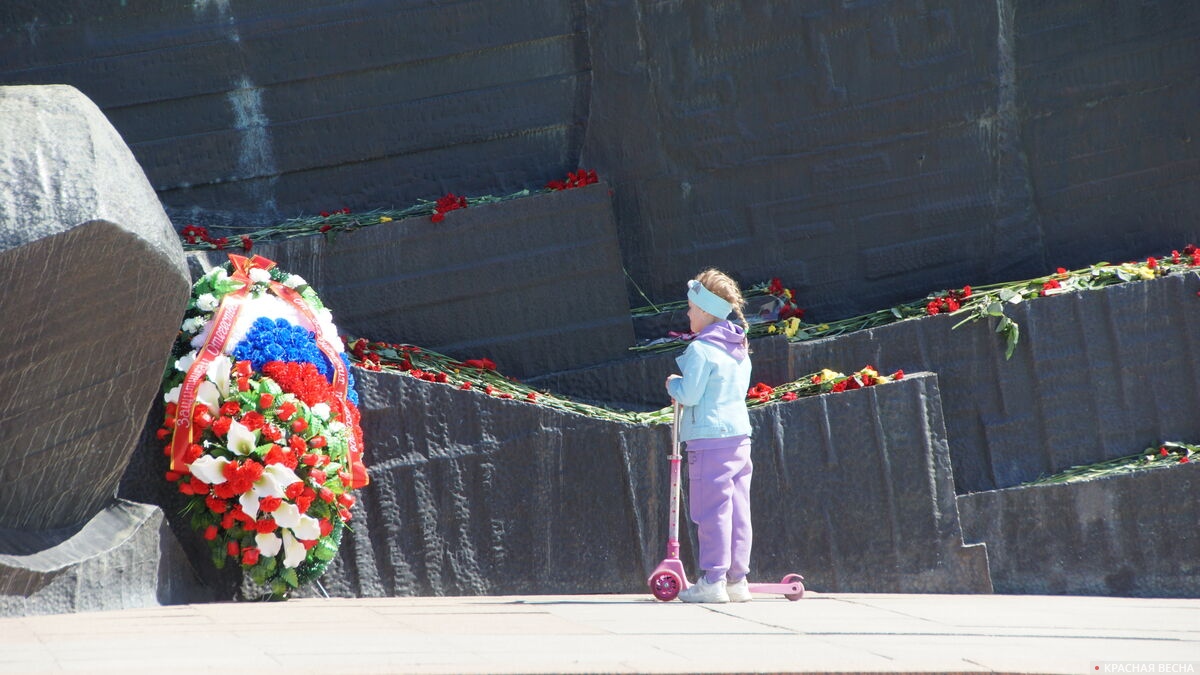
[(665, 585), (799, 581)]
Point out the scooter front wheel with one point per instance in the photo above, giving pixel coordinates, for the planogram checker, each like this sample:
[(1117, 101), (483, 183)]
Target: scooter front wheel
[(665, 585), (798, 581)]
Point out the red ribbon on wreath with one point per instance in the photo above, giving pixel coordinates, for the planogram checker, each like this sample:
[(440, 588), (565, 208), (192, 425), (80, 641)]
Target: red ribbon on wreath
[(223, 322)]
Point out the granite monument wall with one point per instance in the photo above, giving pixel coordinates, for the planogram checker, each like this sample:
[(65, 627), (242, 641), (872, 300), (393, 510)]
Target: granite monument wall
[(1122, 535), (534, 283), (476, 495), (1096, 375), (865, 152)]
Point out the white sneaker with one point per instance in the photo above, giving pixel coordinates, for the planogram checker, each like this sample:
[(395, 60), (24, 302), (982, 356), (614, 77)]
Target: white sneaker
[(702, 591), (739, 591)]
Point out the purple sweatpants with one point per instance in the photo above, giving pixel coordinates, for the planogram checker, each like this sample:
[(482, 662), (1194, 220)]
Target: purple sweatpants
[(719, 471)]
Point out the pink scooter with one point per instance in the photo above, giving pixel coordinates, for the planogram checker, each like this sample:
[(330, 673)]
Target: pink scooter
[(668, 579)]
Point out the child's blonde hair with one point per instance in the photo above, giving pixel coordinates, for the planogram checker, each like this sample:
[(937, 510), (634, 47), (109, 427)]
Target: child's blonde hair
[(726, 288)]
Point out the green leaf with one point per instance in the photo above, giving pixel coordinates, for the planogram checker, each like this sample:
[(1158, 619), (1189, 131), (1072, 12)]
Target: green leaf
[(289, 575), (1007, 294), (325, 551), (995, 309), (1013, 335), (896, 313), (226, 285)]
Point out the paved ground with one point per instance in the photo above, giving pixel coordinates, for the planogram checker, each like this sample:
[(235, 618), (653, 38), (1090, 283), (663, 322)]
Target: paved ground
[(619, 633)]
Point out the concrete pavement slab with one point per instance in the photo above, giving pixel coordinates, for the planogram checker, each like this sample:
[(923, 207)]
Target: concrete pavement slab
[(842, 633)]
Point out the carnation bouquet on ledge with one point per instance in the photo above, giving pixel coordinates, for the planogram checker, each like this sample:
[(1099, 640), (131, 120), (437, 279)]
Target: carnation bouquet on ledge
[(262, 424)]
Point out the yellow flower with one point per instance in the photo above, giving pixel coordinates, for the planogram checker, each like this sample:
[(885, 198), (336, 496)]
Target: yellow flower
[(772, 329), (827, 375), (1145, 273), (823, 327), (385, 219), (791, 326)]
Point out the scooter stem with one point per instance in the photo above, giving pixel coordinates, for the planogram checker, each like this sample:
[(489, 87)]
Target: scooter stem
[(676, 459)]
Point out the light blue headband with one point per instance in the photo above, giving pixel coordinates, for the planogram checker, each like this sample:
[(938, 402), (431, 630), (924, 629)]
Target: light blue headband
[(708, 301)]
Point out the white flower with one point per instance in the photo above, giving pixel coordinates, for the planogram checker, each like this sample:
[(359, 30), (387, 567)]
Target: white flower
[(207, 302), (321, 410), (173, 395), (208, 394), (218, 373), (217, 273), (270, 543), (209, 469), (260, 276), (274, 481), (240, 440), (293, 551), (193, 324), (295, 281), (183, 363), (303, 526)]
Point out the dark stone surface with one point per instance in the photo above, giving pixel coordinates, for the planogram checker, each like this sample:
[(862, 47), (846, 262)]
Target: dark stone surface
[(869, 152), (476, 495), (1125, 535), (534, 284), (250, 112), (864, 152), (92, 287), (1096, 375), (123, 557)]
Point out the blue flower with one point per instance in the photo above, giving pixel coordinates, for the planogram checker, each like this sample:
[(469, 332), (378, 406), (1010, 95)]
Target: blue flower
[(279, 340)]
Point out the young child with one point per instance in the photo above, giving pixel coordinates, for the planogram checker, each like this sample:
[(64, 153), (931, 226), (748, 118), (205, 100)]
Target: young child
[(715, 427)]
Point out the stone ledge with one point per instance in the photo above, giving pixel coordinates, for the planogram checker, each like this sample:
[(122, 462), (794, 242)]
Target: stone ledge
[(479, 496), (124, 557), (1076, 391), (534, 283), (1124, 535)]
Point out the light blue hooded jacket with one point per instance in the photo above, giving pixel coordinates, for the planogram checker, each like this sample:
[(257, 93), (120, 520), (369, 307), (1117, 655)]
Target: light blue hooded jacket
[(715, 371)]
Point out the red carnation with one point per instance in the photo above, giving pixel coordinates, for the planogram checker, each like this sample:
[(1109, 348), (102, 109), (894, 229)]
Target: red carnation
[(269, 504), (253, 420), (232, 549), (271, 432), (210, 532), (250, 556), (216, 505), (265, 526)]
